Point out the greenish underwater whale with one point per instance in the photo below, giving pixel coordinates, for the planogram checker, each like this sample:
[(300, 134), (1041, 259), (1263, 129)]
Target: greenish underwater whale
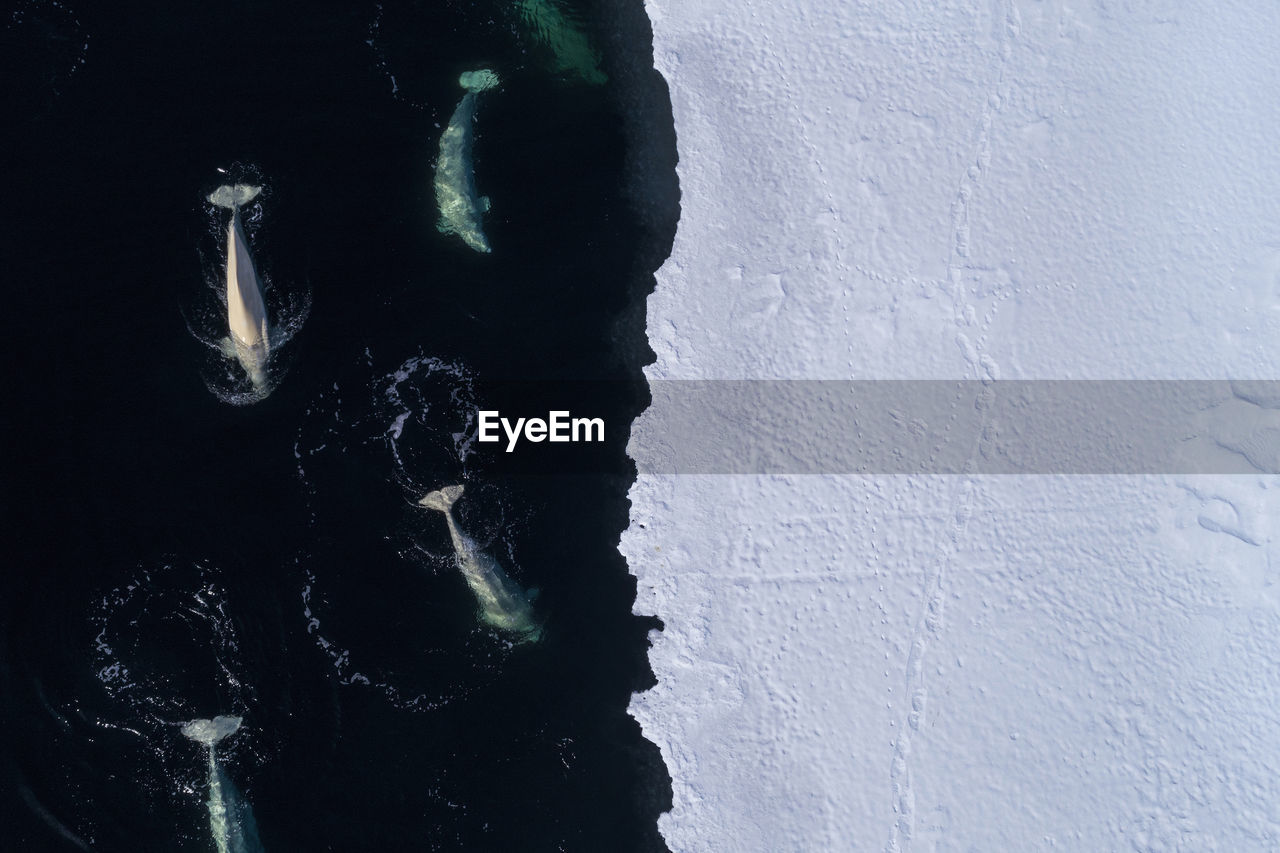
[(564, 37), (461, 206), (503, 604), (230, 817)]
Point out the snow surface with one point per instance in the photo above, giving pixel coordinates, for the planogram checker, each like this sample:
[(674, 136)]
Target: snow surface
[(1031, 189)]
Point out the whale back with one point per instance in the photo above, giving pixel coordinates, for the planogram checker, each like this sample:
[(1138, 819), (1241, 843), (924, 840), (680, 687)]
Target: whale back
[(457, 199), (246, 311), (231, 819)]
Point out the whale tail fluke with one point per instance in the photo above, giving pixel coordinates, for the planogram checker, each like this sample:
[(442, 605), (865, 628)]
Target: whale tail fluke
[(443, 499), (210, 732), (234, 196), (478, 81)]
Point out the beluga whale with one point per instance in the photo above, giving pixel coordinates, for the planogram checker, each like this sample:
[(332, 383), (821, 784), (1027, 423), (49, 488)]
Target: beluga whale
[(503, 604), (461, 206), (248, 341), (566, 39), (230, 817)]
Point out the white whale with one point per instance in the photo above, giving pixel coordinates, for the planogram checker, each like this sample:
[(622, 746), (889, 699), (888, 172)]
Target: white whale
[(248, 342), (503, 604), (461, 206), (230, 818)]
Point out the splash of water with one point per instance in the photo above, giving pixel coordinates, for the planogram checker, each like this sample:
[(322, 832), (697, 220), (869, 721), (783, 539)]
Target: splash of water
[(412, 426)]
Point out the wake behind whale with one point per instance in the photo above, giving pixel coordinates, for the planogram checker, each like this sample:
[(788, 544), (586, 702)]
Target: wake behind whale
[(170, 643), (364, 445)]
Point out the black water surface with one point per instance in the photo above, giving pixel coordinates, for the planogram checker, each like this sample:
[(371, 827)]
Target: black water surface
[(171, 555)]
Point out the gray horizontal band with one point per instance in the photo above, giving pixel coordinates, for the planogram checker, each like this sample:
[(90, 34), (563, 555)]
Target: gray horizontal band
[(959, 427)]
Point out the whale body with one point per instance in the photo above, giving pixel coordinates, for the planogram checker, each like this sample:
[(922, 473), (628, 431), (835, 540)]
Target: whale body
[(230, 817), (461, 206), (248, 342), (568, 43), (503, 604)]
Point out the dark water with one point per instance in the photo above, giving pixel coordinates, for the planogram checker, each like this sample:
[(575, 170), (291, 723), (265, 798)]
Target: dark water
[(172, 555)]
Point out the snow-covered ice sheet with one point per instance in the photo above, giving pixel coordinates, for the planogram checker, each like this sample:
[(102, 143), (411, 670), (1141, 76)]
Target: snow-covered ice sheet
[(1032, 189)]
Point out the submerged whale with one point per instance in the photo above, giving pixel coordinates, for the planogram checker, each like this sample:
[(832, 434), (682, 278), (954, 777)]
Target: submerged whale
[(461, 207), (248, 342), (503, 604), (567, 41), (230, 818)]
